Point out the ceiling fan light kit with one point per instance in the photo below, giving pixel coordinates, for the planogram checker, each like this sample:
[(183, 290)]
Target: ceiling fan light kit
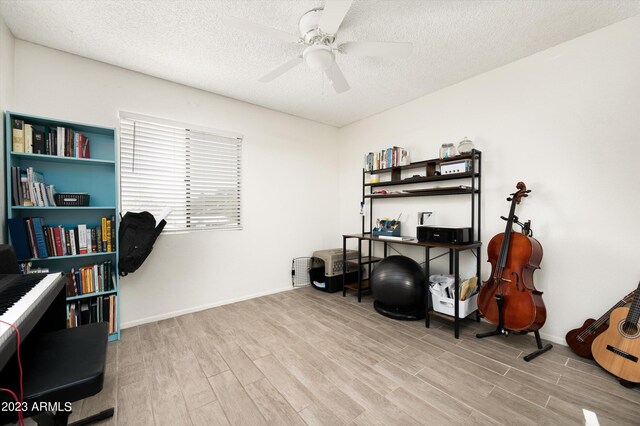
[(318, 28), (318, 57)]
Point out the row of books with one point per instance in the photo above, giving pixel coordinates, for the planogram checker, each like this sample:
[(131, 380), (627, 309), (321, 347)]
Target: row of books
[(32, 238), (59, 141), (387, 158), (92, 310), (28, 188), (91, 279)]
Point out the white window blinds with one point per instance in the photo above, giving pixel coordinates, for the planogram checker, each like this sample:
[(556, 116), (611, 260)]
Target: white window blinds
[(195, 172)]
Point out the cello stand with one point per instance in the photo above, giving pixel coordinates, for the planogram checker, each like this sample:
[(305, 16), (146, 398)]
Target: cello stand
[(501, 330)]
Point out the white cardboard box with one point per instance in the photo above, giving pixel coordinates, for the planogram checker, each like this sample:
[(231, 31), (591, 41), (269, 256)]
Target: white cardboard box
[(446, 306)]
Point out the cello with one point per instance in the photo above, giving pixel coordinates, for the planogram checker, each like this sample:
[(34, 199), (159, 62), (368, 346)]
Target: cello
[(509, 298)]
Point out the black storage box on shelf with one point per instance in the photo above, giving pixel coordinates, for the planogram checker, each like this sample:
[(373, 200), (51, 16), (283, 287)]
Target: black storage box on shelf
[(326, 269), (71, 200)]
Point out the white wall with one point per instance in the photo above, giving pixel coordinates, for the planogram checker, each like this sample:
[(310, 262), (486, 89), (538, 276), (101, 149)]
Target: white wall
[(288, 182), (6, 98), (566, 122)]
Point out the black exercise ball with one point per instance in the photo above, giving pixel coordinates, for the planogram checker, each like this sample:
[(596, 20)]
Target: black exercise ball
[(398, 284)]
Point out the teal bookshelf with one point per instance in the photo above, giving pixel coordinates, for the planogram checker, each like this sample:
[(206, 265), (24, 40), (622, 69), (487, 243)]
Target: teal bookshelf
[(96, 176)]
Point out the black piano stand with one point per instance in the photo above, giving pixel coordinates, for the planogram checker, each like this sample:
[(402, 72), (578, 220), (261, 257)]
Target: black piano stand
[(501, 330), (62, 418)]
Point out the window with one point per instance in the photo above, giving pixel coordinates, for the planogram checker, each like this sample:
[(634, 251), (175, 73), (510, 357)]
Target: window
[(193, 171)]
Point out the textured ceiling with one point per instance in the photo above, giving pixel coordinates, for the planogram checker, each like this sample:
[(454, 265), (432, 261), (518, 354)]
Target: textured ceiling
[(186, 42)]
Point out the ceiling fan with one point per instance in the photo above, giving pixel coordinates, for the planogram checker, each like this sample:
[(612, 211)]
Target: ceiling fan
[(318, 28)]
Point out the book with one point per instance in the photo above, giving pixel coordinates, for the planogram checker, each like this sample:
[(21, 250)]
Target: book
[(112, 314), (33, 184), (38, 232), (82, 239), (68, 143), (63, 240), (18, 189), (67, 242), (94, 246), (15, 180), (19, 238), (93, 311), (43, 194), (84, 313), (403, 157), (96, 284), (58, 241), (69, 289), (106, 316), (107, 276), (104, 234), (72, 242), (112, 229), (17, 126), (72, 318), (60, 142), (51, 190), (89, 244), (49, 240), (32, 238), (78, 280), (28, 138), (394, 238), (25, 194), (108, 222), (84, 150), (38, 142)]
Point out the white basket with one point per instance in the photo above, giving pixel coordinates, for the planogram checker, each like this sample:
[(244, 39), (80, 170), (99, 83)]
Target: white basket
[(446, 306)]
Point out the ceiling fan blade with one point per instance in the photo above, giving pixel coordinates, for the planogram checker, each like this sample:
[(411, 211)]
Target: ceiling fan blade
[(337, 79), (245, 25), (333, 14), (375, 48), (280, 70)]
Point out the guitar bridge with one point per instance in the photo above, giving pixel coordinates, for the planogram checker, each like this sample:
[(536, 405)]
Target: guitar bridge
[(623, 354)]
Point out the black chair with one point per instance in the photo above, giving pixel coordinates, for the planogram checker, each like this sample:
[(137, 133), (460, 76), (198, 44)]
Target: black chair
[(59, 367)]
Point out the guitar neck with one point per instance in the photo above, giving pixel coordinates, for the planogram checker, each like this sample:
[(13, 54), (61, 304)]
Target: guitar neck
[(605, 317)]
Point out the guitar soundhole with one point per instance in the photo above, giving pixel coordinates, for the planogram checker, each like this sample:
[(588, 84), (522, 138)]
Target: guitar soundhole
[(629, 329)]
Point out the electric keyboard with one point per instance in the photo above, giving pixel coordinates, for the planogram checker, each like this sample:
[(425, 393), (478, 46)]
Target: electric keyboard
[(23, 301)]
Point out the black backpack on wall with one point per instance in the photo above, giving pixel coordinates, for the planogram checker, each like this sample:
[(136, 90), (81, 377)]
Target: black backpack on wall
[(138, 232)]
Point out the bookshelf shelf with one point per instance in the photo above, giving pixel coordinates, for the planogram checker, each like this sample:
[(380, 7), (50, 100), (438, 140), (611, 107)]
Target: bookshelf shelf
[(423, 179), (56, 159), (425, 193), (63, 208), (94, 294), (96, 176), (75, 256)]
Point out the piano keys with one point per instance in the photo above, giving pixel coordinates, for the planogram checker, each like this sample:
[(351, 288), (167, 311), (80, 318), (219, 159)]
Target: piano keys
[(24, 301)]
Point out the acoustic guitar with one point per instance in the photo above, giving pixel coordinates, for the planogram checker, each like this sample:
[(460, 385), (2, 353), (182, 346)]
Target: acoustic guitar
[(580, 339), (617, 350)]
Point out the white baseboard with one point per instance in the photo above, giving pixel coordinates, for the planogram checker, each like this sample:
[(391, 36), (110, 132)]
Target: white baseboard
[(199, 308), (554, 339)]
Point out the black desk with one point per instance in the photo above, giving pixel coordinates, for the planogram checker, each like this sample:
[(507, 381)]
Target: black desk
[(454, 266)]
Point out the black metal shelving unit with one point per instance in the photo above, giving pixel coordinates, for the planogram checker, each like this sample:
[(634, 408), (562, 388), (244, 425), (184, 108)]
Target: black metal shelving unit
[(431, 174)]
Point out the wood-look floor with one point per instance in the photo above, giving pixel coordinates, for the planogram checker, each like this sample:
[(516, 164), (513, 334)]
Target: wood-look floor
[(304, 356)]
